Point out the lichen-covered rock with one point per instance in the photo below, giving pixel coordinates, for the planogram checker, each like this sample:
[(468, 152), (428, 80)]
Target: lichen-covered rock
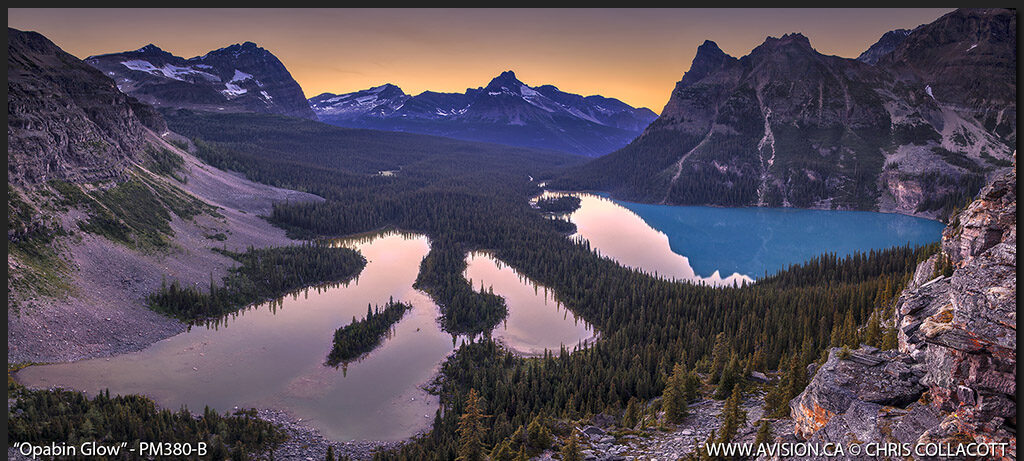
[(866, 375), (990, 219), (953, 379)]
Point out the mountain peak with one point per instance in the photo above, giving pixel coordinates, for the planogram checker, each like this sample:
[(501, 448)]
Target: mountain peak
[(506, 80), (889, 41), (387, 90), (237, 49), (788, 43), (709, 57), (709, 47), (708, 52), (507, 76), (151, 51), (795, 38), (151, 48)]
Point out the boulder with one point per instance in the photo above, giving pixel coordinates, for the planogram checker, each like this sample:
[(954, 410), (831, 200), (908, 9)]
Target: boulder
[(865, 375)]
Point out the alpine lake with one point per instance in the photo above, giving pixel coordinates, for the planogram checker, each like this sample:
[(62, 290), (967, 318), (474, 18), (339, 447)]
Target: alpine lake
[(273, 354)]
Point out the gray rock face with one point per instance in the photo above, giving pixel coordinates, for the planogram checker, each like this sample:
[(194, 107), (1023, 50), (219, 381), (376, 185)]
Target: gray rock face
[(846, 384), (66, 120), (953, 378), (889, 41), (968, 57)]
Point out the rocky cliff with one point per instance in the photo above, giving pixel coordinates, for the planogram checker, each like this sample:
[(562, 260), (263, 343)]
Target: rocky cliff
[(65, 120), (889, 41), (953, 378)]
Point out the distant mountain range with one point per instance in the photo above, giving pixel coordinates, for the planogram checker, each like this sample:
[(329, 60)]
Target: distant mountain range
[(247, 78), (238, 78), (506, 111), (915, 125)]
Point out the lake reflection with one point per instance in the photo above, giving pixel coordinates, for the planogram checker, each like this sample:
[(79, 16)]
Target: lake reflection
[(536, 321), (620, 234), (272, 355), (699, 243)]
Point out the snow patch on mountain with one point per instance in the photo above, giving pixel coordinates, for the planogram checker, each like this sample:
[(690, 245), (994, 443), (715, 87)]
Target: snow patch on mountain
[(240, 76), (168, 70), (233, 91)]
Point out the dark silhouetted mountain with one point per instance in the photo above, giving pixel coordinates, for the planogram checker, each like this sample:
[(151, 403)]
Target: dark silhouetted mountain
[(889, 41), (919, 132), (506, 111), (239, 78)]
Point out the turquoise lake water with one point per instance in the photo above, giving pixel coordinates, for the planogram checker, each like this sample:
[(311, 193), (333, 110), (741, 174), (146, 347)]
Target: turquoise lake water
[(725, 246), (759, 241)]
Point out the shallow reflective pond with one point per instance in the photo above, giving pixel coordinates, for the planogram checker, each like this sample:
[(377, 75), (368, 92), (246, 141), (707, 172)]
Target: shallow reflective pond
[(729, 245), (535, 321), (272, 355)]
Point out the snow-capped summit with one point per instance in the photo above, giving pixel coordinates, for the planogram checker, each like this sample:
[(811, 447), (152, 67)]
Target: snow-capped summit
[(379, 100), (237, 78)]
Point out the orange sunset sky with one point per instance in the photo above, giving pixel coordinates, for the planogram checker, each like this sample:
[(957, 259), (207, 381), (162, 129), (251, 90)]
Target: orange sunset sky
[(635, 55)]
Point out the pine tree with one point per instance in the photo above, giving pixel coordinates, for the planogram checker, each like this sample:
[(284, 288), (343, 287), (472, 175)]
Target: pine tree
[(764, 433), (849, 333), (330, 453), (522, 456), (673, 400), (729, 379), (503, 451), (538, 436), (719, 358), (873, 331), (796, 378), (733, 417), (775, 403), (571, 450), (890, 340), (632, 414), (691, 385), (471, 430)]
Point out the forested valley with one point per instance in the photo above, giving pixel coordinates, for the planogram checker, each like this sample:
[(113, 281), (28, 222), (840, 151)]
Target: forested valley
[(467, 197)]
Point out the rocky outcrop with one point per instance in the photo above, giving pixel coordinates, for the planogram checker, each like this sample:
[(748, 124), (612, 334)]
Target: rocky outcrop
[(953, 378), (855, 382)]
